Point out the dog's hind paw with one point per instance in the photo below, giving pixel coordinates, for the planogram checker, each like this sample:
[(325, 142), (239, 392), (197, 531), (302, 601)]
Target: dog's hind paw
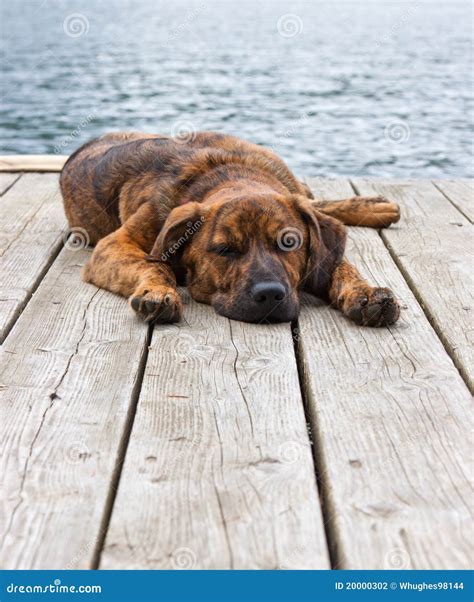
[(382, 211), (160, 304)]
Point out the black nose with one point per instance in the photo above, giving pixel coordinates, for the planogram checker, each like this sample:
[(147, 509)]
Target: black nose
[(268, 294)]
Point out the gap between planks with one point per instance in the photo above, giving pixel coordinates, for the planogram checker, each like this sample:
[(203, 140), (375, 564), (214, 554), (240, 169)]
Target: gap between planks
[(319, 460), (117, 476), (32, 228), (443, 310), (85, 555), (392, 415), (70, 370), (459, 193), (121, 453), (7, 180), (206, 473)]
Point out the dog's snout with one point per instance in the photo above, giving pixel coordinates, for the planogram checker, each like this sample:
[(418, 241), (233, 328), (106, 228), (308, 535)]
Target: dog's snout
[(268, 293), (263, 301)]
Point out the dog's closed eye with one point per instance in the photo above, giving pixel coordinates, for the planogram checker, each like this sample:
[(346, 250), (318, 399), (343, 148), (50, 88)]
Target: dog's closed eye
[(225, 250)]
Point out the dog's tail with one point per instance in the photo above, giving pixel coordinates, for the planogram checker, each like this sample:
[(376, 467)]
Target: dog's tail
[(371, 212)]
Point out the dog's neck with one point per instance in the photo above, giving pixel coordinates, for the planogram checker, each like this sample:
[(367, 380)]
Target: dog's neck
[(239, 189)]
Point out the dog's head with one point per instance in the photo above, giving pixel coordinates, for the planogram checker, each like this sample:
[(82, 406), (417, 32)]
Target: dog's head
[(250, 256)]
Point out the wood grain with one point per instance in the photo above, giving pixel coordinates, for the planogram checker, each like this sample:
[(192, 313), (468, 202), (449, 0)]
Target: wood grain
[(219, 469), (32, 225), (392, 424), (461, 194), (433, 247), (218, 472), (40, 163), (68, 370)]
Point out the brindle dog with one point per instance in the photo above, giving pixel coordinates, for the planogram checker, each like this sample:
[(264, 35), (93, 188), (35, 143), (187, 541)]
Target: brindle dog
[(227, 214)]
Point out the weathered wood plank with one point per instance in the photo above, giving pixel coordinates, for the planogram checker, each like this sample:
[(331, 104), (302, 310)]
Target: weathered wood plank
[(461, 194), (218, 472), (433, 247), (39, 163), (32, 225), (68, 371), (392, 426), (7, 180)]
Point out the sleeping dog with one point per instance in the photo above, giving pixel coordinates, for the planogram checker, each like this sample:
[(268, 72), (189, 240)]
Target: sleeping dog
[(224, 215)]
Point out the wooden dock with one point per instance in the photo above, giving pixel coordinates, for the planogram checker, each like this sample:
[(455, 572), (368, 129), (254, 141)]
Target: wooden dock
[(213, 444)]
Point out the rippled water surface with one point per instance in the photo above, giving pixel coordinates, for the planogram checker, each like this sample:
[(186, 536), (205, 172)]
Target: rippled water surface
[(337, 88)]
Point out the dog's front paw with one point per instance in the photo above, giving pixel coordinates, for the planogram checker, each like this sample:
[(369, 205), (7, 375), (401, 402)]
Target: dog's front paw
[(158, 304), (377, 307)]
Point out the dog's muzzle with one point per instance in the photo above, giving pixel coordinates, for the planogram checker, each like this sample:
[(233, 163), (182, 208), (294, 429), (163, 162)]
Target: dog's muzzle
[(267, 301)]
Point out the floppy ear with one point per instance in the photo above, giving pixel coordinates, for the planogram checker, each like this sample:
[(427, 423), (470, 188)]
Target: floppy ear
[(177, 231), (327, 242)]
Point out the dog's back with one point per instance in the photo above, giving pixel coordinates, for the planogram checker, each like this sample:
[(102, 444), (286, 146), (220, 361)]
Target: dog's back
[(143, 165), (93, 176)]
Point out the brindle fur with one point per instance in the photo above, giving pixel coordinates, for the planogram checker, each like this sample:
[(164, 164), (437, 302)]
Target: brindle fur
[(213, 208)]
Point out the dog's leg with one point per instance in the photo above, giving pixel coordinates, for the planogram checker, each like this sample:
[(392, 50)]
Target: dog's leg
[(364, 304), (372, 212), (119, 264)]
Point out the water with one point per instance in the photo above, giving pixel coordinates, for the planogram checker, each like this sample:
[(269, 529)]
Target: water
[(336, 88)]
